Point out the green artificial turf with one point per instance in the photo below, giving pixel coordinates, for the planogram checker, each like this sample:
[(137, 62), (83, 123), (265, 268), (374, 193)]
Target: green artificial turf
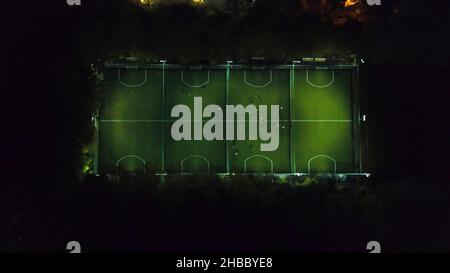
[(316, 121), (322, 121)]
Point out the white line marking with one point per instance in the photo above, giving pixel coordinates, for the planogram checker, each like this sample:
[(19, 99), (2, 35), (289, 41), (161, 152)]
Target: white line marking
[(243, 120), (257, 86), (320, 86), (128, 156), (321, 120), (132, 85), (191, 85), (326, 156), (262, 156), (193, 156)]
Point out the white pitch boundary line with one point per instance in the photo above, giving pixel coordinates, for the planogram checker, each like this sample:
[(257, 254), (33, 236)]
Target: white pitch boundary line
[(322, 120), (191, 85), (257, 86), (129, 156), (261, 156), (131, 120), (132, 85), (320, 86), (194, 120), (325, 156)]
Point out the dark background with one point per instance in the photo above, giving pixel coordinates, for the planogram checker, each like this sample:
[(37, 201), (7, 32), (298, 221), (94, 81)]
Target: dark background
[(49, 94)]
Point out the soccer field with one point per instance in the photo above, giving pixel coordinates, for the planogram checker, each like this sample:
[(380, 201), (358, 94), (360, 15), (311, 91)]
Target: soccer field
[(319, 120)]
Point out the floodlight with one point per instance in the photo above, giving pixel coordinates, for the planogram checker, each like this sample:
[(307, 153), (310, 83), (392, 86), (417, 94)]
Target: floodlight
[(320, 60)]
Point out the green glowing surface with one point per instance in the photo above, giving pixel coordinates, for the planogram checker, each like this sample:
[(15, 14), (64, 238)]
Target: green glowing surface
[(322, 123), (273, 92), (316, 132), (195, 154)]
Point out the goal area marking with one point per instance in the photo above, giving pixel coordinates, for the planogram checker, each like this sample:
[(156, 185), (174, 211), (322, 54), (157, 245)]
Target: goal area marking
[(258, 86), (192, 85), (129, 156), (131, 85)]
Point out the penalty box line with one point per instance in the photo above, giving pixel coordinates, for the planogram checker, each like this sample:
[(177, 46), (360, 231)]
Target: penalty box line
[(241, 120)]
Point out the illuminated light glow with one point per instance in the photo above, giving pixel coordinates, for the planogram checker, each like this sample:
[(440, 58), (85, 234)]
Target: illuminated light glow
[(349, 3), (322, 156), (364, 117), (198, 2), (86, 169)]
